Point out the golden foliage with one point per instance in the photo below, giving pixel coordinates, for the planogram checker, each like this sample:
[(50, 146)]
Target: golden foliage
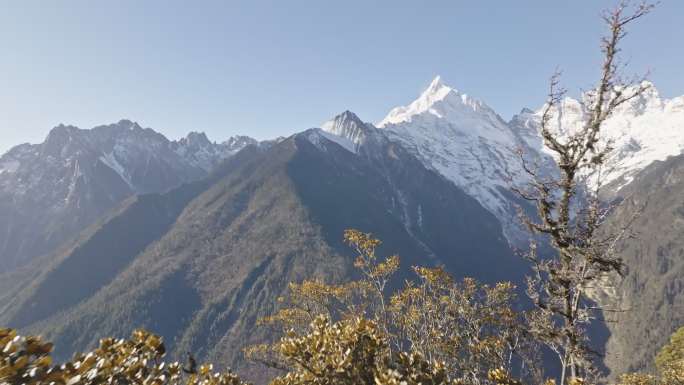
[(433, 331), (464, 328), (351, 351), (673, 373), (501, 377), (669, 363), (672, 352), (637, 379), (138, 360), (469, 326)]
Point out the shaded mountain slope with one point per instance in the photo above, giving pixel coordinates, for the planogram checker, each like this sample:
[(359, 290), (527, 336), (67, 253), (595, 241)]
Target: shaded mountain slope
[(651, 296), (82, 266), (268, 218)]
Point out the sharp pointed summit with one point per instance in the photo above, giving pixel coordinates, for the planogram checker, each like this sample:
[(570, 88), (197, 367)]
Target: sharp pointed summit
[(196, 138), (347, 129), (437, 90), (464, 140), (441, 101), (346, 124)]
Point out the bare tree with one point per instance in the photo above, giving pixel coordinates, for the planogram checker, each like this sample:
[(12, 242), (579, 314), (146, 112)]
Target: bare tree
[(570, 212)]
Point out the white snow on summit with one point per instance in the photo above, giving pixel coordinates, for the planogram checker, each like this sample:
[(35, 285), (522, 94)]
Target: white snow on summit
[(441, 102), (464, 140), (347, 130), (468, 143), (644, 130)]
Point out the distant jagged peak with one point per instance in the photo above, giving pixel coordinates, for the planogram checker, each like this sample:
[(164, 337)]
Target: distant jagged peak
[(122, 126), (125, 144), (128, 130), (62, 131), (200, 140), (648, 101), (526, 120), (61, 139), (239, 141), (196, 139), (349, 126), (352, 133), (572, 111), (127, 123), (441, 101), (347, 118), (199, 151)]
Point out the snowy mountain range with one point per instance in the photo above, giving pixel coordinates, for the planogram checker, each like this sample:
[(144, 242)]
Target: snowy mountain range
[(467, 142), (76, 175), (646, 129)]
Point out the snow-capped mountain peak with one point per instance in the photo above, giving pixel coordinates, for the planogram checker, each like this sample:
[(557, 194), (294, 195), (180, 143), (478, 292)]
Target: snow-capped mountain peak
[(343, 124), (440, 101), (346, 129), (437, 91), (647, 101), (463, 139), (645, 129)]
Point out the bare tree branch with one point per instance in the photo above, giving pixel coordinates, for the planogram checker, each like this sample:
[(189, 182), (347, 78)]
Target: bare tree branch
[(570, 210)]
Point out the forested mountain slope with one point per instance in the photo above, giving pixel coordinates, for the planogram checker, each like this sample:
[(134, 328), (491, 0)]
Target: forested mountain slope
[(220, 252), (650, 299)]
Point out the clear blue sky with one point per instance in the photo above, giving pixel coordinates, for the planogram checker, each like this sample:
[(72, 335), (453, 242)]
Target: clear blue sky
[(268, 68)]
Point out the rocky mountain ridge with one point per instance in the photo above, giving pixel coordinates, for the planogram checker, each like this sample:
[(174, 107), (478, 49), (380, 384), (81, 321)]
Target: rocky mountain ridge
[(51, 191)]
